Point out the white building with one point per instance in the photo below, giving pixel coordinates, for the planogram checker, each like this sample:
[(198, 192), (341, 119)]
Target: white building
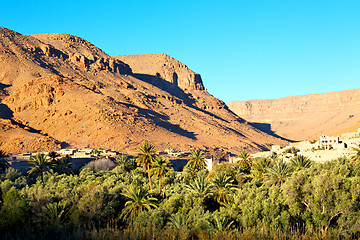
[(209, 164), (327, 142)]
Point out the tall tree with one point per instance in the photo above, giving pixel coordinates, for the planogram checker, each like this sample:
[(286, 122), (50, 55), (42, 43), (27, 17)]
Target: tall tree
[(259, 168), (53, 155), (197, 160), (139, 200), (122, 159), (127, 162), (159, 168), (278, 173), (355, 156), (292, 150), (222, 223), (244, 160), (300, 161), (146, 157), (3, 163), (223, 186), (57, 214), (180, 220), (274, 156), (200, 187), (14, 212), (41, 164), (63, 165)]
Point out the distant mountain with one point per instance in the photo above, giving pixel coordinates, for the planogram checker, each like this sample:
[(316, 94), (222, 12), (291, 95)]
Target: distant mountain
[(304, 117), (59, 90)]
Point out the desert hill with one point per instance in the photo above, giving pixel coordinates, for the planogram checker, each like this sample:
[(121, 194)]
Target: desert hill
[(59, 90), (304, 117), (163, 67)]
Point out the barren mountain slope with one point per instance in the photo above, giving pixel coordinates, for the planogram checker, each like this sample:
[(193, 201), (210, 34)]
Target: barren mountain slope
[(304, 117), (62, 90), (164, 67)]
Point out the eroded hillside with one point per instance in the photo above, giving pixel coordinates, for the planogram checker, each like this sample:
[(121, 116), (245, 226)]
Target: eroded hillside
[(59, 90), (304, 117)]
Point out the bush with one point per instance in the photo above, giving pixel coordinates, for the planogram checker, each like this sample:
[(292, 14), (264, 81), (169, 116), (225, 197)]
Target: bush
[(15, 211), (103, 164)]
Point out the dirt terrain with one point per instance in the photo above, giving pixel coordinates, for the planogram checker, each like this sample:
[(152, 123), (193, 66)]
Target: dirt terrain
[(304, 117), (59, 90)]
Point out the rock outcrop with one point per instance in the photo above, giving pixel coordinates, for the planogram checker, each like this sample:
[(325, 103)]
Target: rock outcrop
[(58, 90), (82, 53), (303, 117), (164, 67)]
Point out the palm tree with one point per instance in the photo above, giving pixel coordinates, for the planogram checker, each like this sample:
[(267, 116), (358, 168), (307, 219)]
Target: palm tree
[(292, 150), (274, 156), (3, 163), (139, 200), (197, 160), (223, 186), (179, 220), (56, 214), (240, 175), (128, 163), (222, 223), (53, 155), (63, 165), (122, 159), (159, 168), (300, 161), (146, 157), (41, 165), (260, 167), (188, 170), (355, 156), (278, 173), (200, 187), (244, 160)]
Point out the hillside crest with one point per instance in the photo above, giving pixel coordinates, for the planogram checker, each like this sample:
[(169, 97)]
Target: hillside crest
[(304, 117), (59, 90)]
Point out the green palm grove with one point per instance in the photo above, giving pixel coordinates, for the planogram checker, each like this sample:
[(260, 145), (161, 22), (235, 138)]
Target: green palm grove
[(269, 199)]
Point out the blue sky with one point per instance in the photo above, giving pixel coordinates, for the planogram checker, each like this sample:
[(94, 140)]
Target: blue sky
[(253, 49)]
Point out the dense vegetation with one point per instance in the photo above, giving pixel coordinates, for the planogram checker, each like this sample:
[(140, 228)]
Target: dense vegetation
[(263, 198)]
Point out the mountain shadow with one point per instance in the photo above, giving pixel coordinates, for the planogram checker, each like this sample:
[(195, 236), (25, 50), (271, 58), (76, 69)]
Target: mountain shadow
[(166, 86), (3, 86), (5, 112), (266, 127), (162, 121), (174, 90)]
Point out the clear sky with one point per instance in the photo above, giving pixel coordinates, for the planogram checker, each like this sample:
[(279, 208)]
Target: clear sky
[(253, 49)]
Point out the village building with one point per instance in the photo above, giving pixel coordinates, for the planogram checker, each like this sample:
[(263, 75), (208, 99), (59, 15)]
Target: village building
[(328, 142)]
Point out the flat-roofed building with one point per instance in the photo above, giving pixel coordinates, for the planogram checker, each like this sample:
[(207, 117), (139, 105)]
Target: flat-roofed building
[(327, 142)]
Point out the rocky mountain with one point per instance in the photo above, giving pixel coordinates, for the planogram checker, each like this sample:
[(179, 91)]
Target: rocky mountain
[(59, 90), (163, 67), (304, 117)]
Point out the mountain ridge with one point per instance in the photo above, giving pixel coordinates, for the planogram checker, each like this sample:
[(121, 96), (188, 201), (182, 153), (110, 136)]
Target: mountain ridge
[(304, 117), (65, 92)]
